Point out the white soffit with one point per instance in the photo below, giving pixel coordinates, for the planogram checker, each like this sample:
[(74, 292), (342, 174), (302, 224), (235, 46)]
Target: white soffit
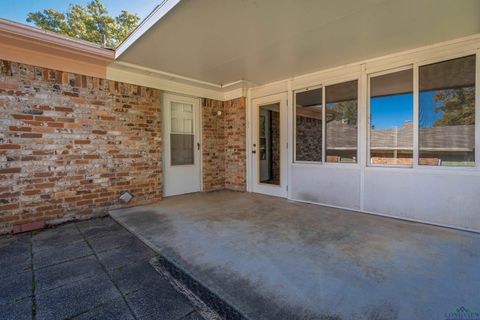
[(221, 42)]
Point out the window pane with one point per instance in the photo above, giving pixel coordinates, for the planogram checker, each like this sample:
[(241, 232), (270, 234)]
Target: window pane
[(391, 118), (181, 134), (269, 144), (181, 149), (447, 113), (341, 122), (182, 118), (308, 128)]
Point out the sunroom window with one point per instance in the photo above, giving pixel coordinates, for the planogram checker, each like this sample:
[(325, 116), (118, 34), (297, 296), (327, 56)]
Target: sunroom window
[(391, 119), (308, 125), (341, 117), (447, 113)]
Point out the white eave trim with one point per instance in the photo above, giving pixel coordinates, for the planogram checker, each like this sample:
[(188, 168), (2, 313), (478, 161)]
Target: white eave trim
[(159, 12), (170, 82), (171, 76)]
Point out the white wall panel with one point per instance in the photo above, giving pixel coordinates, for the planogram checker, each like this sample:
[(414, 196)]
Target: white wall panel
[(322, 184), (437, 197), (450, 198)]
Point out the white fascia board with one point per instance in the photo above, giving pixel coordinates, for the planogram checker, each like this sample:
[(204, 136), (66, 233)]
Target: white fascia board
[(234, 94), (152, 81), (148, 77), (168, 75), (159, 12)]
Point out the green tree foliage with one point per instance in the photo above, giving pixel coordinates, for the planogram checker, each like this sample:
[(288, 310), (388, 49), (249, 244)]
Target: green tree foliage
[(457, 105), (345, 112), (88, 22)]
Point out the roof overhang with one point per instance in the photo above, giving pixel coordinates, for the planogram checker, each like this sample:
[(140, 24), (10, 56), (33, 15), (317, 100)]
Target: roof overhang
[(159, 12), (25, 44), (217, 42)]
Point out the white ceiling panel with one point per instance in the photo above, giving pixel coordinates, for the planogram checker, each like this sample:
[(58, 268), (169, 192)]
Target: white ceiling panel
[(222, 41)]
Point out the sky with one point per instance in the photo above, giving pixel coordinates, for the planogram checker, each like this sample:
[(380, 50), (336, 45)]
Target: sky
[(17, 10), (391, 111), (394, 111)]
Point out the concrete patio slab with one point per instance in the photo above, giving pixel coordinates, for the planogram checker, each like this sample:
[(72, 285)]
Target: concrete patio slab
[(63, 273), (16, 287), (123, 256), (56, 238), (79, 284), (275, 259), (112, 241), (116, 309), (75, 297), (67, 252), (147, 305), (138, 275), (98, 227), (21, 310)]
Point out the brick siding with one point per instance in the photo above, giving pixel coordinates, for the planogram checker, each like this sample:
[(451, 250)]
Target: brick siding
[(213, 149), (235, 144), (309, 139), (275, 124), (224, 144), (69, 144)]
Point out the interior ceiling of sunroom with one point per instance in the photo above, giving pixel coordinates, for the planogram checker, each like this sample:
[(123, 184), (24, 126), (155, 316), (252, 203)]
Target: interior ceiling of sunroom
[(223, 41)]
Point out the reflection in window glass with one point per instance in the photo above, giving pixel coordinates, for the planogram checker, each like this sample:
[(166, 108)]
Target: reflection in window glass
[(341, 122), (447, 113), (308, 125), (391, 119), (269, 144)]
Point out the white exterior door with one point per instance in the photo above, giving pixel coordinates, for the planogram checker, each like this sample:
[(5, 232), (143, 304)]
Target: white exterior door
[(269, 149), (181, 136)]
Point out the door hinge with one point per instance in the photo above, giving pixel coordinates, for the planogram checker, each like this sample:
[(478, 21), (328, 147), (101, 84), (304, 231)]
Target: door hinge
[(287, 187)]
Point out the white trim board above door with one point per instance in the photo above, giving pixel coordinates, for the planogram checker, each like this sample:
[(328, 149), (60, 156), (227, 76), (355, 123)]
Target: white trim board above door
[(182, 148), (269, 145)]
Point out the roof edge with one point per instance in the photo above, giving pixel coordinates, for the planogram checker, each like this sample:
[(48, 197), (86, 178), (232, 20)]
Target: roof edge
[(50, 39), (158, 13)]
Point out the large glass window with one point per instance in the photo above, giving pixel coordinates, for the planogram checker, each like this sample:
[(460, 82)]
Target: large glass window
[(391, 118), (447, 113), (308, 125), (341, 122)]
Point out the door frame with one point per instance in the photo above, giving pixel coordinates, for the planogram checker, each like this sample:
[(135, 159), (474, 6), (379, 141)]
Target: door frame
[(253, 138), (166, 98)]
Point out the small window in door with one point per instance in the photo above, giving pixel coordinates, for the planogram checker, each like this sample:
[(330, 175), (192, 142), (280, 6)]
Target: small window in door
[(181, 134), (269, 144)]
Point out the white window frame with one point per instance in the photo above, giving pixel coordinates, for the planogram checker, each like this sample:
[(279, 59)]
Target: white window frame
[(416, 95), (323, 86), (294, 149), (368, 122), (331, 83)]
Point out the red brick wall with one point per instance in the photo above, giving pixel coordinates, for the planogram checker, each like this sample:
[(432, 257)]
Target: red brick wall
[(224, 144), (69, 144), (275, 123), (213, 149), (235, 144)]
